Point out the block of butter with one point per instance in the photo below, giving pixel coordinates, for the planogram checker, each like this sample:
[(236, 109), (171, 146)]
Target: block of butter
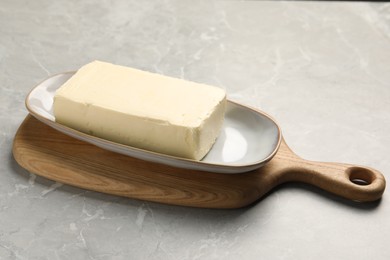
[(142, 109)]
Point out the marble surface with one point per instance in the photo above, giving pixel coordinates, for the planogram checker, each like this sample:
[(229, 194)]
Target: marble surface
[(322, 69)]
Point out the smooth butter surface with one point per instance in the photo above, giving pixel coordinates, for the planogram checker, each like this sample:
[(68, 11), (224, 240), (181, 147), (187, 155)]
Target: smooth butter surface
[(142, 109)]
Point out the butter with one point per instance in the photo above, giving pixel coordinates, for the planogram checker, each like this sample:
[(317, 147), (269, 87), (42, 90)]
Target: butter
[(142, 109)]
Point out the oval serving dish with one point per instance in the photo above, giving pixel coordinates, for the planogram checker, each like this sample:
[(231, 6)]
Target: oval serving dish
[(249, 138)]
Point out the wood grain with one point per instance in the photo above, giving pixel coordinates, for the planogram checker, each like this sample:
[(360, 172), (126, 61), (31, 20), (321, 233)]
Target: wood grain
[(51, 154)]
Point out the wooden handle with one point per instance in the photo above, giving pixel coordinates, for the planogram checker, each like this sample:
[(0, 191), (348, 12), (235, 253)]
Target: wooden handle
[(353, 182)]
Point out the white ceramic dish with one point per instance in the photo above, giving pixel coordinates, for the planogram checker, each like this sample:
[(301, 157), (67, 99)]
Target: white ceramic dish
[(249, 138)]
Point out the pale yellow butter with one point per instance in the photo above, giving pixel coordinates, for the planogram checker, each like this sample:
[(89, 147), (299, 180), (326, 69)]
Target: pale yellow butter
[(142, 109)]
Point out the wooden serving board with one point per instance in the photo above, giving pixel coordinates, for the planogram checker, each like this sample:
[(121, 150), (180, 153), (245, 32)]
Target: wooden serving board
[(51, 154)]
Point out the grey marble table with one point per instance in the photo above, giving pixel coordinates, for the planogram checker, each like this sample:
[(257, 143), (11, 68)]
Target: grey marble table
[(322, 69)]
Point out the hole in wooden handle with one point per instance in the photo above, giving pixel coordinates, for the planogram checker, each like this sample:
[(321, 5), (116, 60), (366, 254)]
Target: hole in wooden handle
[(360, 176)]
